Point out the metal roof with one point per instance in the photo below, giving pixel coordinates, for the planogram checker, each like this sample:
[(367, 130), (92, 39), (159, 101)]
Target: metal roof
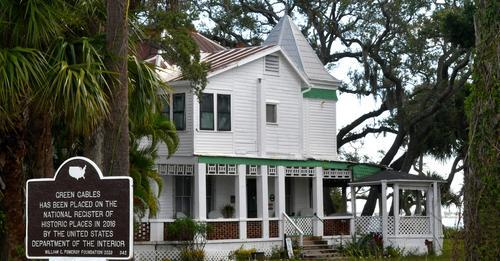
[(287, 35), (206, 45), (392, 176)]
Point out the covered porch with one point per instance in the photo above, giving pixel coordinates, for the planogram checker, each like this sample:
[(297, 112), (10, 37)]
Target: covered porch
[(243, 202), (412, 220)]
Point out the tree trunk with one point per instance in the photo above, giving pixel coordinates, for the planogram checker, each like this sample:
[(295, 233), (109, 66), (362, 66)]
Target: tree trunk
[(116, 137), (481, 198), (41, 153), (12, 152)]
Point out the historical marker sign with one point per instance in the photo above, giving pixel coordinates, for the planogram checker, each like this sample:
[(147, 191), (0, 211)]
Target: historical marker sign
[(79, 213)]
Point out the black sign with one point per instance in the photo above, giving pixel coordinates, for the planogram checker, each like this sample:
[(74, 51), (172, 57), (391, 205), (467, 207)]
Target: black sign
[(79, 213)]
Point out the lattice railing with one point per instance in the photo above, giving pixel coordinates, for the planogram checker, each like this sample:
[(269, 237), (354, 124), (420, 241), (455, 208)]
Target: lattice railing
[(305, 224), (415, 225), (368, 224), (390, 225), (291, 229)]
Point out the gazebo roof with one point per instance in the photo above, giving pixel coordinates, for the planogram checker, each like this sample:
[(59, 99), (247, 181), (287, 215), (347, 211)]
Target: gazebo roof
[(392, 176)]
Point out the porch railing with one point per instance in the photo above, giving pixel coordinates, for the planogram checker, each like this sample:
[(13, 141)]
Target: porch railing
[(291, 229)]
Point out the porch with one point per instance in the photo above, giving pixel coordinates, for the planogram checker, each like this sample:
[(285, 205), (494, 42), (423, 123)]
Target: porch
[(260, 195)]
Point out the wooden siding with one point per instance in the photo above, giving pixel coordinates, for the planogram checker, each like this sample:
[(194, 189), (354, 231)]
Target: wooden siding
[(320, 135), (241, 83), (283, 139), (185, 147)]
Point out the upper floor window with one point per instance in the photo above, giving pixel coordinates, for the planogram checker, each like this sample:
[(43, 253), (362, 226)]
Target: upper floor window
[(223, 112), (165, 110), (178, 109), (272, 65), (208, 107), (271, 113), (207, 111)]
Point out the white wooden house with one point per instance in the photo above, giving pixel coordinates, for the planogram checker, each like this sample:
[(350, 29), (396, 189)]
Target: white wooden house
[(262, 139)]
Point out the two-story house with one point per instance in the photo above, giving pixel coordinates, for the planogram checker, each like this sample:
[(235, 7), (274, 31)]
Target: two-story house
[(260, 140)]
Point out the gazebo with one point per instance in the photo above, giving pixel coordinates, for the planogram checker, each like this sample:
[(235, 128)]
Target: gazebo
[(413, 222)]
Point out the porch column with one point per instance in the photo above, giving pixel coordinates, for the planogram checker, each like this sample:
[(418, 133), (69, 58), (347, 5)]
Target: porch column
[(280, 191), (200, 193), (318, 201), (262, 200), (383, 210), (353, 210), (435, 217), (395, 193), (241, 201)]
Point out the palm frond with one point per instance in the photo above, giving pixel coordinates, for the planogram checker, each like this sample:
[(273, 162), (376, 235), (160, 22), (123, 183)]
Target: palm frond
[(21, 70), (78, 86)]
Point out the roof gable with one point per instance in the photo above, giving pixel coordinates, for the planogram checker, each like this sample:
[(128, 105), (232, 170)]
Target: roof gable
[(287, 35)]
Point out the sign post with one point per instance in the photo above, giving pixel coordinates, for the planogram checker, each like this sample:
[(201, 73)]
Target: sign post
[(79, 214)]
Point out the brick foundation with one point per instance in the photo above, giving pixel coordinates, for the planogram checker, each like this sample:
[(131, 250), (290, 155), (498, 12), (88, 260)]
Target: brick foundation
[(223, 230), (334, 227), (142, 232), (254, 229), (274, 228)]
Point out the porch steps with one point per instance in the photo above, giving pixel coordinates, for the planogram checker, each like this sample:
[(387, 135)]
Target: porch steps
[(314, 248)]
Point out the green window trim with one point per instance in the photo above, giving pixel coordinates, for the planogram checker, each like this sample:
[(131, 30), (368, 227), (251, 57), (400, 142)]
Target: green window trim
[(317, 93)]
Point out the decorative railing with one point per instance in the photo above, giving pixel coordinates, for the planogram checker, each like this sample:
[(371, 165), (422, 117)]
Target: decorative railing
[(305, 224), (368, 224), (291, 229), (416, 225)]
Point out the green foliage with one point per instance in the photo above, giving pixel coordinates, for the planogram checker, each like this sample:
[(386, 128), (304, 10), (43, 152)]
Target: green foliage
[(457, 24), (228, 211), (192, 254), (242, 254), (370, 246), (2, 222), (453, 233), (277, 253)]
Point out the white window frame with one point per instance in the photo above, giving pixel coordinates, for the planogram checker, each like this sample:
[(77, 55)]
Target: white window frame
[(216, 106), (276, 105)]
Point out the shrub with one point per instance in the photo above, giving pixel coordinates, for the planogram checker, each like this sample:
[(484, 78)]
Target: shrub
[(192, 255), (242, 254), (370, 245), (277, 252)]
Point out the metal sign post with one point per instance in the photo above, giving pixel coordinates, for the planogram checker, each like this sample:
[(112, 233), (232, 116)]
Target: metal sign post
[(79, 214)]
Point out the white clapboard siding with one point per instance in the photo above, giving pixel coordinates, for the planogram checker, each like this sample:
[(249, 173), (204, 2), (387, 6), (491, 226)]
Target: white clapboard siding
[(185, 147), (166, 199), (320, 128), (283, 138), (241, 83)]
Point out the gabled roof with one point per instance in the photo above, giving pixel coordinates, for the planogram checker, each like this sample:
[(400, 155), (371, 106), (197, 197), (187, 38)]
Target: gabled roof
[(206, 45), (287, 35), (231, 58), (392, 176)]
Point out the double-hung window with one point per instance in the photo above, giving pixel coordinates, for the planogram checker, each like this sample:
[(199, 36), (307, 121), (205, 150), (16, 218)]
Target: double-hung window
[(165, 110), (178, 109), (208, 108), (183, 195), (271, 113), (223, 112), (207, 111)]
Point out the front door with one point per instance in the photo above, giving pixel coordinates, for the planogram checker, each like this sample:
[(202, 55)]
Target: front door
[(251, 198)]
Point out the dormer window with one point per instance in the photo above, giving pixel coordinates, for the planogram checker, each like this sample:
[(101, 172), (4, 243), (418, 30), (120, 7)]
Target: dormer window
[(272, 65)]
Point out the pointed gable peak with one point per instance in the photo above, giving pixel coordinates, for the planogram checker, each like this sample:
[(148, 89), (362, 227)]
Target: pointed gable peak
[(289, 37)]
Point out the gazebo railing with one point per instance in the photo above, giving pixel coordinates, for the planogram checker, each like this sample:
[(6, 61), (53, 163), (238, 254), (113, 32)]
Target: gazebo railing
[(415, 225)]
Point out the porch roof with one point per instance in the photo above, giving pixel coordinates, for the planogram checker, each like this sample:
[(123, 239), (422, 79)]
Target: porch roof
[(392, 176)]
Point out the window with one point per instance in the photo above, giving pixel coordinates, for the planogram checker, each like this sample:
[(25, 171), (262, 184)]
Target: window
[(183, 195), (178, 109), (165, 110), (207, 111), (223, 112), (271, 113)]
